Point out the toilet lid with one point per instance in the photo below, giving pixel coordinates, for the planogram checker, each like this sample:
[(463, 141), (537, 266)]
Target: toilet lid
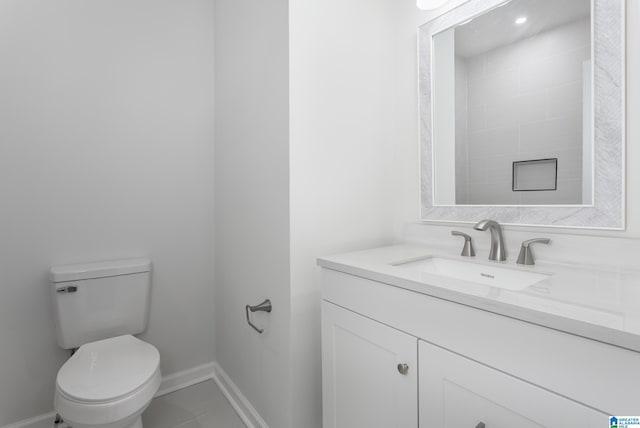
[(108, 369)]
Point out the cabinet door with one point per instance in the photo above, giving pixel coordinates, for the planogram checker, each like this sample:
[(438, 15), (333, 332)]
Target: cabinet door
[(364, 382), (456, 392)]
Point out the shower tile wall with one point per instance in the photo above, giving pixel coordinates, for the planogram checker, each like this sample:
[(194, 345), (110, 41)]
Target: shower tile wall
[(523, 101)]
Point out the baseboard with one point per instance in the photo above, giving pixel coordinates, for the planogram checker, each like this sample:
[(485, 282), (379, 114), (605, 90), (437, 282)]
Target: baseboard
[(174, 382), (242, 406), (168, 384), (185, 378), (42, 421)]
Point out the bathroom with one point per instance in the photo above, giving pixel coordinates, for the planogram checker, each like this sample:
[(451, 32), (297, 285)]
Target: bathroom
[(232, 143)]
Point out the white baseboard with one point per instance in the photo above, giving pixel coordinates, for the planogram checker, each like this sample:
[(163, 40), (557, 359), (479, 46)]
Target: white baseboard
[(242, 406), (185, 378), (42, 421), (174, 382)]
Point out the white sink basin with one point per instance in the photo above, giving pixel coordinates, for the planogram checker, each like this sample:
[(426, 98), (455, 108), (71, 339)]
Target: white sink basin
[(493, 276)]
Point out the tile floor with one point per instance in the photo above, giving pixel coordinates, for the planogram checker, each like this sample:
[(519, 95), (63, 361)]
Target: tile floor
[(199, 406)]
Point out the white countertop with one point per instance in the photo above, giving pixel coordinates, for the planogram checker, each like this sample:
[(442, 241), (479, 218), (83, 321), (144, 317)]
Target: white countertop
[(597, 302)]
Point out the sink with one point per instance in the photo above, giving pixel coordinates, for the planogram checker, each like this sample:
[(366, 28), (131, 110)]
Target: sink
[(493, 276)]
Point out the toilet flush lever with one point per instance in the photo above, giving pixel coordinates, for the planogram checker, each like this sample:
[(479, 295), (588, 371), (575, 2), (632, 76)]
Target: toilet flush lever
[(263, 307), (67, 289)]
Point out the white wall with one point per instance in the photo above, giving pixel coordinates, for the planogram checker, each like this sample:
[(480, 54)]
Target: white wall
[(353, 174), (85, 82), (252, 200), (352, 180), (633, 126), (292, 184), (461, 130), (444, 117), (354, 168), (404, 164), (105, 152), (342, 154)]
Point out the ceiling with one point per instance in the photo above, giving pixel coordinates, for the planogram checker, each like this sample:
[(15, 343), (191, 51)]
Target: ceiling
[(497, 27)]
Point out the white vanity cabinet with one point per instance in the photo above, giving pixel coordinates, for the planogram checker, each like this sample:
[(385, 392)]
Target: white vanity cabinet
[(467, 367), (370, 374), (458, 392)]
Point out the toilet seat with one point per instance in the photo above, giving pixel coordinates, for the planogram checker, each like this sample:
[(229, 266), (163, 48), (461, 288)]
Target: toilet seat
[(108, 369), (107, 381)]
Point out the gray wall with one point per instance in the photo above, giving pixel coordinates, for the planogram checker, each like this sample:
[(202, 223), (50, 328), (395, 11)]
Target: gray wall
[(306, 166), (106, 151)]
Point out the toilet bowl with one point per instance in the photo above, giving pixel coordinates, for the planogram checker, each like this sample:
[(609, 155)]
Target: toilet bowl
[(108, 383)]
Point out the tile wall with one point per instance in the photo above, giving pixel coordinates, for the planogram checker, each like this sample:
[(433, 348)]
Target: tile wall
[(523, 102)]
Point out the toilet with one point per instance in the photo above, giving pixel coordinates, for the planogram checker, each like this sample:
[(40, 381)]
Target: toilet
[(112, 376)]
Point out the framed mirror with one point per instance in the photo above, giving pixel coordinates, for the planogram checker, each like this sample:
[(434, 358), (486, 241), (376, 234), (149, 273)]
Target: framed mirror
[(522, 113)]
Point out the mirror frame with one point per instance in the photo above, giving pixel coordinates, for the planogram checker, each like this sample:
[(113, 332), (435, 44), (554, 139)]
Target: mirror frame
[(607, 210)]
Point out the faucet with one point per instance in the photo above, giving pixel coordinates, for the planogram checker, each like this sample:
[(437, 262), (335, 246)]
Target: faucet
[(526, 256), (498, 251)]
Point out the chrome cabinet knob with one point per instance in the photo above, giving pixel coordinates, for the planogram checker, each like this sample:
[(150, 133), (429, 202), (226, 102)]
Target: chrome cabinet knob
[(403, 368)]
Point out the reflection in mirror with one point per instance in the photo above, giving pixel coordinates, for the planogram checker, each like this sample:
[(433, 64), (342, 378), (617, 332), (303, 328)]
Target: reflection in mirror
[(512, 89), (522, 113)]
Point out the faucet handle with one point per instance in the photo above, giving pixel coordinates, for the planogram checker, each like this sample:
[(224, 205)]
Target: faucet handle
[(467, 250), (526, 256)]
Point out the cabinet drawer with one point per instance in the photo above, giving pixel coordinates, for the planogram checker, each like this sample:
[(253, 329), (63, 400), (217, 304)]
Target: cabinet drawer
[(456, 392)]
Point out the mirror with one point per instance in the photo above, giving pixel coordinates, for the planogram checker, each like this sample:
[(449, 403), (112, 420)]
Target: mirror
[(517, 82), (522, 109)]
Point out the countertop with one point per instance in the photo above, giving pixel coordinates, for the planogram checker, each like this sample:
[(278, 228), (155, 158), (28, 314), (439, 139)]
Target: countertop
[(597, 302)]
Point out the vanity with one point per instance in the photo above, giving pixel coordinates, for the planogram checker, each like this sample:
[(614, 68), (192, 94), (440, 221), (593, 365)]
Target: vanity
[(406, 346), (522, 119)]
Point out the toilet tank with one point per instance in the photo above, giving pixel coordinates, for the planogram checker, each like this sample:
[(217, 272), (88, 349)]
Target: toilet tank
[(96, 301)]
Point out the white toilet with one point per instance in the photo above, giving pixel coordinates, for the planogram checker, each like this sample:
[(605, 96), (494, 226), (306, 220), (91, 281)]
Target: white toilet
[(112, 377)]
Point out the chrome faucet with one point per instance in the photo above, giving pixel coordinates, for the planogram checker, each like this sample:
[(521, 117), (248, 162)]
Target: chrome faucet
[(498, 251), (526, 256), (467, 250)]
